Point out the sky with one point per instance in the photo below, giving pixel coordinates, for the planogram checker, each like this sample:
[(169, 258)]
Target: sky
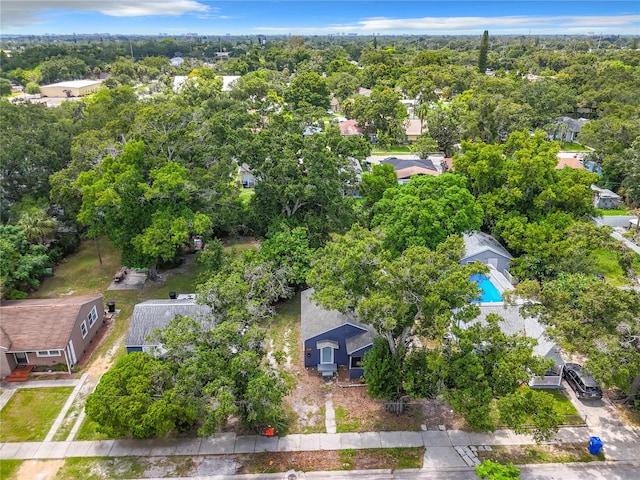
[(319, 17)]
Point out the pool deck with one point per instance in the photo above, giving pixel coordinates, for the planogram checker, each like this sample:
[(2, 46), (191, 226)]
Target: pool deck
[(499, 281)]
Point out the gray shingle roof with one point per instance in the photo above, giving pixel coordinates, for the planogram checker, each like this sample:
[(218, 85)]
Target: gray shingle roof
[(315, 320), (357, 342), (515, 323), (401, 163), (153, 314), (477, 242)]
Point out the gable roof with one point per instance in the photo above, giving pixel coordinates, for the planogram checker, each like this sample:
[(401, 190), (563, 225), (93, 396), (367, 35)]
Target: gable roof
[(414, 126), (515, 323), (478, 242), (411, 171), (571, 162), (315, 320), (604, 193), (40, 324), (574, 125), (350, 127), (154, 314), (401, 163)]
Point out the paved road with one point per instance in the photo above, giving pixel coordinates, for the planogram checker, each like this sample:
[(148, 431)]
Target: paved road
[(551, 471)]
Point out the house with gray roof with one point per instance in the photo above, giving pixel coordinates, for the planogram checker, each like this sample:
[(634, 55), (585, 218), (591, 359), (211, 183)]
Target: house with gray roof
[(514, 323), (330, 339), (156, 314), (482, 247), (567, 129), (605, 198)]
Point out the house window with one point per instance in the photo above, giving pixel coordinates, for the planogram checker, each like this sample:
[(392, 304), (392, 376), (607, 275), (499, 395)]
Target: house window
[(356, 362), (93, 316), (48, 353), (83, 329), (326, 355)]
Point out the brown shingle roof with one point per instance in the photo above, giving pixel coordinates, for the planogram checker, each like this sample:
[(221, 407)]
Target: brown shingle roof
[(41, 324), (350, 127), (570, 162)]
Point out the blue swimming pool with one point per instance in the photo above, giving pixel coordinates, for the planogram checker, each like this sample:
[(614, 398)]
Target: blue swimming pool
[(489, 291)]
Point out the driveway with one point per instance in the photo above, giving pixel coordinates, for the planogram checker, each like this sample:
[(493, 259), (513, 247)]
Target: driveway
[(596, 413)]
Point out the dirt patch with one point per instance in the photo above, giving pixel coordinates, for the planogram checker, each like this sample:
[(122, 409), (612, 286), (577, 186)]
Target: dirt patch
[(39, 469), (356, 411), (525, 454), (305, 403), (331, 460)]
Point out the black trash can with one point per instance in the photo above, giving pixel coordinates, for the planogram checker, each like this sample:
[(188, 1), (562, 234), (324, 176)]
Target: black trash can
[(111, 307), (172, 295)]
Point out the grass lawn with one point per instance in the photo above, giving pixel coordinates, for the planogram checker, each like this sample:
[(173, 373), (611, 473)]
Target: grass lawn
[(601, 212), (572, 146), (564, 406), (606, 263), (561, 453), (394, 149), (30, 413), (246, 194), (8, 468), (83, 274)]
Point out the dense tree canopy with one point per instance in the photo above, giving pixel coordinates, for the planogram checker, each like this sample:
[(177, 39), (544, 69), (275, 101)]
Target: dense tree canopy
[(594, 318), (426, 211)]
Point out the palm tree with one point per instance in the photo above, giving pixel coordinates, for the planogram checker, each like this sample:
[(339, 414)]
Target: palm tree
[(38, 226)]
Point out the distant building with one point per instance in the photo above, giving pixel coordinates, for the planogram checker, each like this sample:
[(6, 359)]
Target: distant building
[(567, 129), (176, 61), (407, 168), (73, 88), (413, 129)]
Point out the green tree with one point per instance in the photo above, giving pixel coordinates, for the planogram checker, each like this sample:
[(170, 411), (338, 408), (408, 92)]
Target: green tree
[(414, 294), (424, 145), (33, 145), (527, 406), (308, 89), (495, 471), (484, 51), (37, 225), (383, 371), (593, 318), (5, 87), (373, 184), (289, 247), (302, 180), (21, 263), (426, 211), (137, 396), (380, 113), (32, 88)]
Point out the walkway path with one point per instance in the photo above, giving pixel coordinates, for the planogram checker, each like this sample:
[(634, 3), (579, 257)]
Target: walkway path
[(620, 444), (8, 389), (65, 408)]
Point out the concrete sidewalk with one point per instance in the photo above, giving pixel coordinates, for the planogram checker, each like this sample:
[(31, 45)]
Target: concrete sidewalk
[(620, 444)]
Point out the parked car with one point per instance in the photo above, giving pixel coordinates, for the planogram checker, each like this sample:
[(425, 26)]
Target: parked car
[(582, 383)]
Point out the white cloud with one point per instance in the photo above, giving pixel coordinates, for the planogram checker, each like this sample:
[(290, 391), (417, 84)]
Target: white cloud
[(462, 25), (18, 13)]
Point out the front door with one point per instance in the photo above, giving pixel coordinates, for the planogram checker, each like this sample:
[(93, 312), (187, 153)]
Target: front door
[(21, 358)]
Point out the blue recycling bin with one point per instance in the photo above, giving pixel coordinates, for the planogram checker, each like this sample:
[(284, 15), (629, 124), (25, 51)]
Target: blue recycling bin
[(595, 445)]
